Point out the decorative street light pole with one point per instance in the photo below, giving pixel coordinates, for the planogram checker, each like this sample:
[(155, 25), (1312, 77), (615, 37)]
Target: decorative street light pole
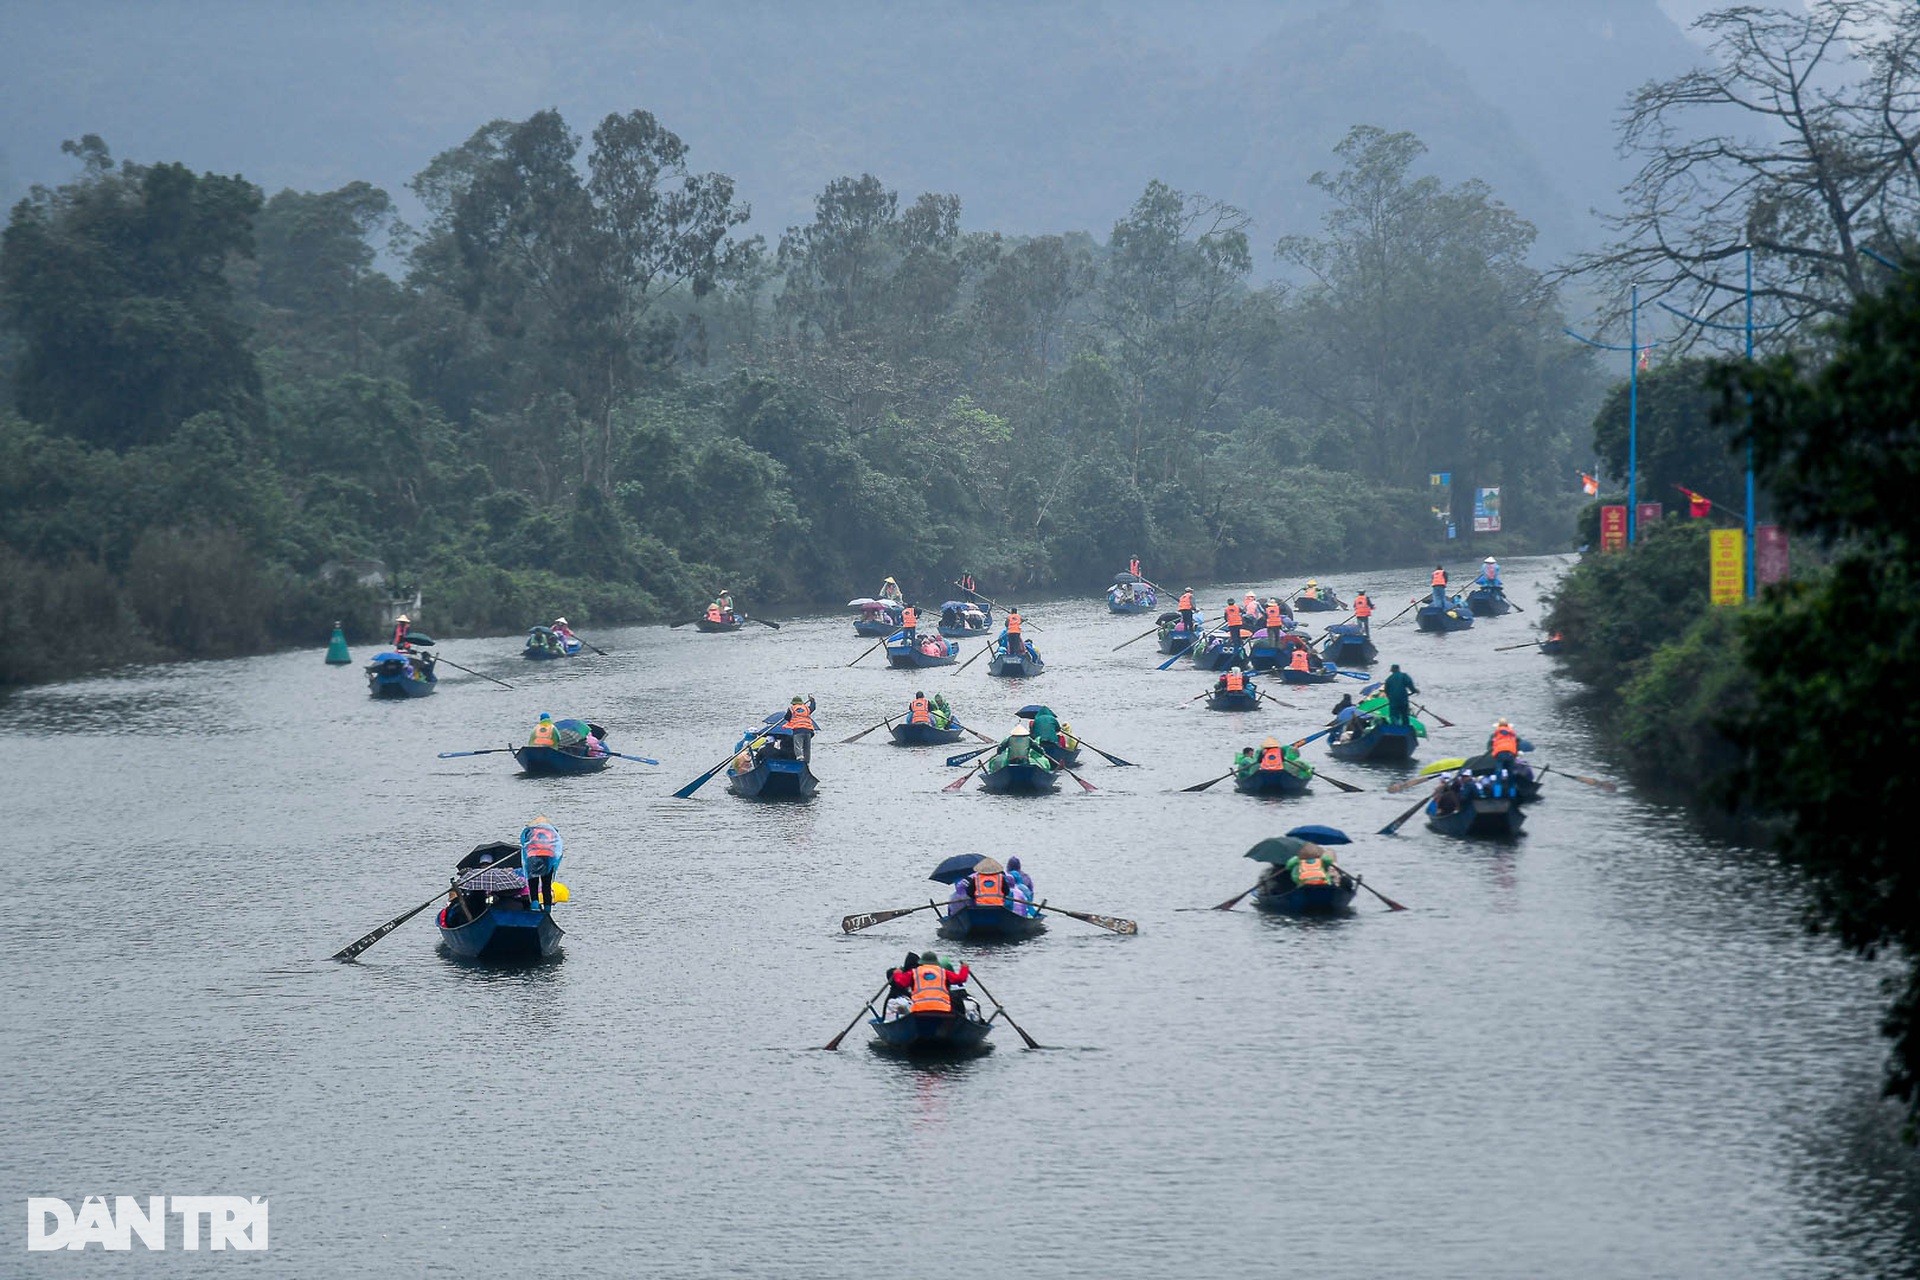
[(1633, 402)]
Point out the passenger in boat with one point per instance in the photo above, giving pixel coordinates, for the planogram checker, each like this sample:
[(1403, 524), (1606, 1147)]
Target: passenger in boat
[(960, 898), (900, 988), (1246, 761), (1301, 661), (714, 613), (540, 849), (544, 733), (1232, 680), (800, 720), (1046, 727), (1020, 886), (563, 632), (1313, 865), (1399, 689), (1067, 741), (955, 981), (1344, 713), (941, 713)]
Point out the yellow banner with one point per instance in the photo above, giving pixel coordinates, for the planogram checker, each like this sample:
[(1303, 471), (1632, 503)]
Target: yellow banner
[(1727, 566)]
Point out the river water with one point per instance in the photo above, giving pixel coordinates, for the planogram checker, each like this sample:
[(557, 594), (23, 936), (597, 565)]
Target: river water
[(1605, 1050)]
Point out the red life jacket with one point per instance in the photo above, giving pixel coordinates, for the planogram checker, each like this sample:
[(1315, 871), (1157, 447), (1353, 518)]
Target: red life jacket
[(909, 619), (1439, 577), (1013, 624), (1504, 740), (1272, 758), (1186, 600)]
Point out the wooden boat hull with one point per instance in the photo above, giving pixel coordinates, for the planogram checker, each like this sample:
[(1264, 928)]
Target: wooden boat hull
[(925, 735), (990, 922), (1486, 819), (707, 624), (1383, 742), (1065, 757), (1552, 647), (1347, 645), (1020, 779), (504, 935), (1428, 618), (1001, 665), (1289, 676), (1131, 606), (1271, 782), (910, 657), (961, 633), (1309, 899), (931, 1035), (1245, 700), (874, 630), (556, 761), (1314, 604), (537, 653), (1487, 603), (1214, 658), (390, 676), (1173, 640), (777, 779)]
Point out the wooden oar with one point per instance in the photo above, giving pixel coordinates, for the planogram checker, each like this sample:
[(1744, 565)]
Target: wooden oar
[(1267, 697), (1361, 881), (988, 647), (865, 1008), (1425, 710), (974, 979), (888, 723), (954, 762), (470, 671), (638, 759), (1344, 786), (1414, 604), (1113, 923), (1179, 653), (1234, 901), (590, 644), (1107, 756), (854, 924), (1394, 826), (1608, 787), (1142, 636), (976, 733), (490, 751), (763, 622), (1202, 786), (1077, 778), (701, 781), (961, 781), (353, 949), (1503, 648), (876, 644)]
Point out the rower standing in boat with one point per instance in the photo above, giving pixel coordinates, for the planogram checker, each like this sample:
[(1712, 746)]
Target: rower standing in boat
[(890, 590), (540, 848), (1234, 622), (1400, 689), (1186, 611), (1133, 565), (800, 720), (1046, 727), (1439, 586), (1010, 639), (1363, 613), (401, 628)]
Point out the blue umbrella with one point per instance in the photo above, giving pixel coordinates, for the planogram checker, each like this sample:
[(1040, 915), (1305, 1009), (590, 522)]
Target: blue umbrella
[(959, 866), (1320, 835)]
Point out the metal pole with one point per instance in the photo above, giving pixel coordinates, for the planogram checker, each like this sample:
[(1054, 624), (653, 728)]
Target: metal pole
[(1633, 415), (1750, 547)]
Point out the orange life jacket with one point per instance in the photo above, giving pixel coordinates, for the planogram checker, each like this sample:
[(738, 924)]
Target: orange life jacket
[(1310, 871), (1439, 577), (930, 990), (798, 717), (1133, 567), (919, 712), (1272, 758), (989, 889), (1013, 624), (1233, 614), (400, 630), (1186, 600), (1362, 607), (1504, 740), (909, 620), (1274, 617), (713, 613), (543, 735), (1298, 662), (1236, 681)]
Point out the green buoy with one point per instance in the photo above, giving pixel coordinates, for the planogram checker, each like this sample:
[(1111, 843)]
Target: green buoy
[(337, 655)]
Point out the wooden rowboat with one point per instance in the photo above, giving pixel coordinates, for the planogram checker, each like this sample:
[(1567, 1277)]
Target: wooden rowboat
[(990, 922), (731, 622), (1483, 818), (932, 1035), (925, 735), (1272, 782), (401, 675), (999, 664), (1380, 741), (1309, 899), (1019, 779)]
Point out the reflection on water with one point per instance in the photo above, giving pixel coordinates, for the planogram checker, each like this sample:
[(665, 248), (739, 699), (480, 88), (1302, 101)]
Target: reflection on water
[(1603, 1050)]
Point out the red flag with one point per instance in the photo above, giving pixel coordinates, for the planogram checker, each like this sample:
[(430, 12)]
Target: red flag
[(1699, 506), (1588, 485)]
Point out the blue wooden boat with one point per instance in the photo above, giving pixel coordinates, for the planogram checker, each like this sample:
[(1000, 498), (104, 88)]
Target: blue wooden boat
[(728, 622), (776, 773), (1065, 757), (925, 735), (1247, 699), (559, 760), (1347, 644), (1213, 653), (1174, 637), (990, 922), (1379, 741), (491, 919), (1304, 603), (1143, 600), (1488, 601), (1324, 675), (1019, 779), (1272, 782), (1308, 899), (401, 675), (1497, 819), (999, 664), (1451, 617), (961, 618), (903, 652), (876, 628), (1553, 645), (932, 1035), (544, 644), (878, 618)]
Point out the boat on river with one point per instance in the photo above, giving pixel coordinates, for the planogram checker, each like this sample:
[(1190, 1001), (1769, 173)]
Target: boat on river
[(1131, 593), (1308, 899), (1245, 698), (1452, 616), (491, 918), (925, 735), (1348, 644), (772, 770), (1321, 601), (878, 618), (1275, 782), (725, 622), (1487, 600), (977, 923), (962, 618), (999, 664), (394, 674), (545, 644), (1477, 817), (932, 1034), (580, 747), (1175, 638), (1014, 778), (1213, 653), (1377, 742), (924, 650)]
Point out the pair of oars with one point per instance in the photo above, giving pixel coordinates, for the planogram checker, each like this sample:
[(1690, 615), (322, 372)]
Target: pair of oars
[(1344, 786), (1234, 901), (999, 1010), (494, 751), (1113, 924)]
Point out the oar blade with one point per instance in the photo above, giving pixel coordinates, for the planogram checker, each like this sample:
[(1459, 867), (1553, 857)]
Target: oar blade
[(1202, 786), (1393, 827)]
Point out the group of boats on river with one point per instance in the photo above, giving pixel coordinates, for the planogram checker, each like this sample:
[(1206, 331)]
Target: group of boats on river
[(499, 903)]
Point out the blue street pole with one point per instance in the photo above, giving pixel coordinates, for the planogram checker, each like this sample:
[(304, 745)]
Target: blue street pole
[(1750, 555), (1633, 419)]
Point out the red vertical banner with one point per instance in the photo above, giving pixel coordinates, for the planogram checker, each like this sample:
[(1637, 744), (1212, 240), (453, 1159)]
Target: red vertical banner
[(1769, 555), (1647, 513), (1613, 528)]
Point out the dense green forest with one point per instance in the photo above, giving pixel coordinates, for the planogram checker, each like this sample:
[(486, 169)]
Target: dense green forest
[(582, 388)]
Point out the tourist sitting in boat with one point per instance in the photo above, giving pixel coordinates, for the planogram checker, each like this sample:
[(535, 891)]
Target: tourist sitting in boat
[(960, 898), (1046, 727), (1274, 758), (900, 988), (1066, 739), (563, 631), (929, 986), (714, 613), (1020, 885), (932, 645), (1313, 865), (1245, 761), (540, 848), (1017, 748), (940, 712), (544, 734), (1232, 680), (1344, 713)]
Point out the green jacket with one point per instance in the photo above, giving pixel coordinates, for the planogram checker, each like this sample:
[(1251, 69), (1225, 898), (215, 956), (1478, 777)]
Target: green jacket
[(1400, 686)]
